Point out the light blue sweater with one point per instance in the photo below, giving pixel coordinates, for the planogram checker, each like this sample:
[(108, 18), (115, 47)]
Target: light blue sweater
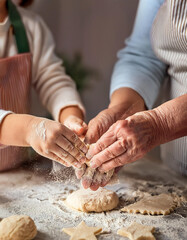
[(138, 67)]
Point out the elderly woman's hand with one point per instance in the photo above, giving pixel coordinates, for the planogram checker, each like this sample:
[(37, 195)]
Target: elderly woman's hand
[(101, 123), (126, 141), (124, 103), (106, 118)]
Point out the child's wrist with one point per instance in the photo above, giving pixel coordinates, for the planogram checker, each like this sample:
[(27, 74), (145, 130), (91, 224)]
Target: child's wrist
[(70, 111), (31, 126), (15, 129)]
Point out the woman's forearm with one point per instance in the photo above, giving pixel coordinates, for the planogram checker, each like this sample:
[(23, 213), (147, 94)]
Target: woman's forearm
[(129, 102), (70, 110), (126, 95), (171, 119)]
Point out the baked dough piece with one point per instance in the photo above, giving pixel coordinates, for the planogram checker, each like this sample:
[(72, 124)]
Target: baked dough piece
[(154, 205), (86, 200), (83, 232), (18, 227), (137, 231)]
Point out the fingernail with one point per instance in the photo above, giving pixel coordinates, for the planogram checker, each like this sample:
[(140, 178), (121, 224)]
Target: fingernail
[(93, 165)]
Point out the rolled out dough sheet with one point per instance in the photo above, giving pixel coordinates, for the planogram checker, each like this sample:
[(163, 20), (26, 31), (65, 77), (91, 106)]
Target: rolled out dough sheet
[(161, 204)]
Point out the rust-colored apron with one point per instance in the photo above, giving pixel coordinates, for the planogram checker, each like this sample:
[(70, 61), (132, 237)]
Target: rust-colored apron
[(15, 86)]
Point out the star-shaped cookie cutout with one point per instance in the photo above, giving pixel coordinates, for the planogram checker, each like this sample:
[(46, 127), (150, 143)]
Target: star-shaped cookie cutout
[(82, 232), (137, 231)]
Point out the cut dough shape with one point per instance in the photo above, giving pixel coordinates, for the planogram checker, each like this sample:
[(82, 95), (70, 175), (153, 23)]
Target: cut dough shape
[(18, 227), (83, 232), (137, 231), (154, 205), (86, 200)]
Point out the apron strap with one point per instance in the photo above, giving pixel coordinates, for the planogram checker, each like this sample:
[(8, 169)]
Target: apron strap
[(19, 28)]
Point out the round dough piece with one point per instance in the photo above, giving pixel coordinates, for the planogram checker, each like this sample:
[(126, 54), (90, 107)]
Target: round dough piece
[(86, 200), (18, 227)]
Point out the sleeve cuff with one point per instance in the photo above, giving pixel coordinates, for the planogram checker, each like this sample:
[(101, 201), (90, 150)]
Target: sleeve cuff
[(3, 114), (147, 89)]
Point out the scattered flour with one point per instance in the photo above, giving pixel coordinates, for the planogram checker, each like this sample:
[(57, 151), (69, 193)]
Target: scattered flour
[(41, 198)]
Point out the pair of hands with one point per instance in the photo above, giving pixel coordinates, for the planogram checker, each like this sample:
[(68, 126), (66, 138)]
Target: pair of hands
[(121, 136), (62, 144), (103, 130), (125, 141), (91, 178)]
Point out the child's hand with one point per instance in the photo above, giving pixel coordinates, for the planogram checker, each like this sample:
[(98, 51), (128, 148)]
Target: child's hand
[(55, 141), (76, 124)]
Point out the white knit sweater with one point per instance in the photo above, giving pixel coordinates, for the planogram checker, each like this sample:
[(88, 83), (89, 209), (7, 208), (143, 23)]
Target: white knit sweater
[(56, 90)]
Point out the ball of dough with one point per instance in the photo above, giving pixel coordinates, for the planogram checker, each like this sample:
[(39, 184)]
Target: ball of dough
[(90, 201), (18, 227)]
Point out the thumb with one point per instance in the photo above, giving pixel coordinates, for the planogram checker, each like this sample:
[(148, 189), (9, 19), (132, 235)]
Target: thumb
[(76, 124), (93, 133), (80, 128)]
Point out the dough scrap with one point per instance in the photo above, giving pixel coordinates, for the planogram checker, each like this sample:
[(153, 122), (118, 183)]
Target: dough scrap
[(137, 231), (86, 200), (161, 204), (17, 227), (83, 232)]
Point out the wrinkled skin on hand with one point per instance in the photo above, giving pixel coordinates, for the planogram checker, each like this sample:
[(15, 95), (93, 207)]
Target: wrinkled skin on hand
[(93, 178), (96, 128), (126, 141), (102, 122)]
